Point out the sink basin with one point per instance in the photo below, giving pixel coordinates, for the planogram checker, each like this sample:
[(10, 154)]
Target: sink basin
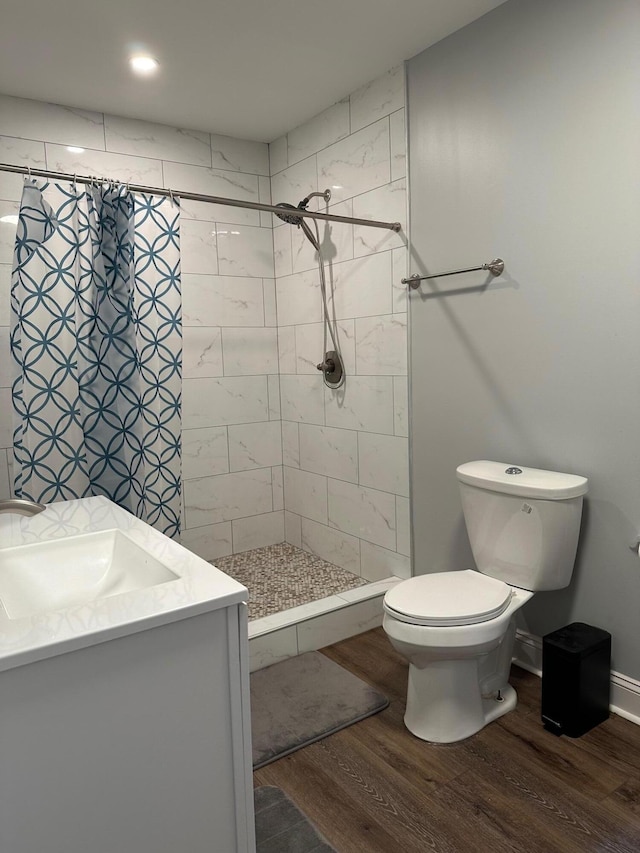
[(48, 576)]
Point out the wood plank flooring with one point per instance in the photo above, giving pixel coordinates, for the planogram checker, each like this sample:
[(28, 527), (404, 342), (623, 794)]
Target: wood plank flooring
[(375, 788)]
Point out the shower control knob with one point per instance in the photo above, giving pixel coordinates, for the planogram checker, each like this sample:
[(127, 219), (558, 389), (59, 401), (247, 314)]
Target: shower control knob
[(332, 369), (327, 366)]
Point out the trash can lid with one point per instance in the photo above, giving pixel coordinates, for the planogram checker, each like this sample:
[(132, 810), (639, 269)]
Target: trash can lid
[(577, 639)]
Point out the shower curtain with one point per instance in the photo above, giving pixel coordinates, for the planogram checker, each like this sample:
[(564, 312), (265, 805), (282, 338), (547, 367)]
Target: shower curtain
[(97, 349)]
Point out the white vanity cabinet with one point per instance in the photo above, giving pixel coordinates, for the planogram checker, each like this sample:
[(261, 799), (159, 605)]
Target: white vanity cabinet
[(124, 722)]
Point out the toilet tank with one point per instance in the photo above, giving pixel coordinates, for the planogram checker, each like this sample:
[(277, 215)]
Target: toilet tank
[(523, 523)]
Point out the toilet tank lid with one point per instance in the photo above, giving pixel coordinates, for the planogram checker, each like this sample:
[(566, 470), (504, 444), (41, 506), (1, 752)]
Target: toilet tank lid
[(513, 479)]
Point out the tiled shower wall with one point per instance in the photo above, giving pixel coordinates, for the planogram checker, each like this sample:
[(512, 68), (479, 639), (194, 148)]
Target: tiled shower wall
[(232, 438), (345, 452)]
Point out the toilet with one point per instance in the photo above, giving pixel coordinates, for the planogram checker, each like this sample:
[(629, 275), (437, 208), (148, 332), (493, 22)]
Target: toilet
[(457, 628)]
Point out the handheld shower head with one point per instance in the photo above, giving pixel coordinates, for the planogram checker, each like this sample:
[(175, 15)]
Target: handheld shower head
[(291, 220), (298, 220), (310, 235)]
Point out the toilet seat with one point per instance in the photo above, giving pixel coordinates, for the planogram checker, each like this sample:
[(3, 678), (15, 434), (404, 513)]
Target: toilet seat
[(448, 598)]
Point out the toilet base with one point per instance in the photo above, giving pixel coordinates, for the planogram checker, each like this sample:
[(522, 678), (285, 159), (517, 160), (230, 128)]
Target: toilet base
[(445, 705)]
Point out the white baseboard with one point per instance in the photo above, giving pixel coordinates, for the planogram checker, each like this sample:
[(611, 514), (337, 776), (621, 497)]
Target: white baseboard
[(625, 697), (527, 652), (625, 691)]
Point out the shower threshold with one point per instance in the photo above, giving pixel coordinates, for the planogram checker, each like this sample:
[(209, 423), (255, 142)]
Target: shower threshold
[(299, 602)]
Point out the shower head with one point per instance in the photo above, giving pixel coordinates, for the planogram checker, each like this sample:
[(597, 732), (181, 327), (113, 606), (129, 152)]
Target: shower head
[(298, 220), (291, 220)]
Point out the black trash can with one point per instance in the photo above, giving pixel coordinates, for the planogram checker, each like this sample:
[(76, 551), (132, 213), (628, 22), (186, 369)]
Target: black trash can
[(576, 679)]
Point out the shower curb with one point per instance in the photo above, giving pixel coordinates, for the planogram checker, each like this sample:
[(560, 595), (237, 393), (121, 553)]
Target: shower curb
[(320, 623)]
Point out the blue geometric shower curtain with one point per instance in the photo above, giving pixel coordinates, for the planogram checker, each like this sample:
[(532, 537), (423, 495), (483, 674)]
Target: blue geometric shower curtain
[(97, 349)]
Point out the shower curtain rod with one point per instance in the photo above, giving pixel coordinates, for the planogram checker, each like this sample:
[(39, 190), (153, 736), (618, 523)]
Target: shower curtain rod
[(212, 199)]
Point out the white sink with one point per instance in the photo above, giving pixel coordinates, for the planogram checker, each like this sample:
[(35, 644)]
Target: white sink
[(54, 575)]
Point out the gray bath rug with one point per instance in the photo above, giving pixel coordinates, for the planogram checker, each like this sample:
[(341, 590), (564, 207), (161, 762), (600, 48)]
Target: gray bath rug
[(282, 828), (303, 699)]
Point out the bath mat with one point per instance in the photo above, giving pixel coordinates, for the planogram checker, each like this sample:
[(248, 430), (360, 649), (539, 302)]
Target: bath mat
[(282, 828), (303, 699)]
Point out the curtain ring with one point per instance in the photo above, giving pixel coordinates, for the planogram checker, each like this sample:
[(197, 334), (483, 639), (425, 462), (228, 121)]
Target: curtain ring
[(29, 173), (173, 201)]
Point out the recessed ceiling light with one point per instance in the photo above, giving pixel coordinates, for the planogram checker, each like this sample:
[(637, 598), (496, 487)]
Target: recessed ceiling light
[(74, 149), (10, 218), (144, 64)]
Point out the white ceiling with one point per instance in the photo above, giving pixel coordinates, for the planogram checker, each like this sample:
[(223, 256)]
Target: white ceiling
[(252, 69)]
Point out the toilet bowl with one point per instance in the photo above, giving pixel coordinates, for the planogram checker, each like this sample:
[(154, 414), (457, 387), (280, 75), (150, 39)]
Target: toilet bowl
[(458, 673), (457, 628)]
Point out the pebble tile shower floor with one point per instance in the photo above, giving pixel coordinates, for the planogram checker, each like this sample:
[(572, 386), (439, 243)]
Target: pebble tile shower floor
[(282, 576)]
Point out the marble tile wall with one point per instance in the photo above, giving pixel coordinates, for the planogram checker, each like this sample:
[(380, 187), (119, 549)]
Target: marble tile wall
[(232, 446), (345, 452), (268, 452)]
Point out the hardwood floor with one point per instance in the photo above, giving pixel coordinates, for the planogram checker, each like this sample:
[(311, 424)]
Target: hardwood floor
[(374, 788)]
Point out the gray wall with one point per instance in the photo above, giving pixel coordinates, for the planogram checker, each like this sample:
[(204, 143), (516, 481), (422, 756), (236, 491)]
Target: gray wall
[(524, 133)]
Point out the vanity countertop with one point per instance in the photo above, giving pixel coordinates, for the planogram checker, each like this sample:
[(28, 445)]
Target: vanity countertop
[(199, 587)]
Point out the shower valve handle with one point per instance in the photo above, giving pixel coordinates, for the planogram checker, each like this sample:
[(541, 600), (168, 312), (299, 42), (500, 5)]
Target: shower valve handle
[(327, 366)]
